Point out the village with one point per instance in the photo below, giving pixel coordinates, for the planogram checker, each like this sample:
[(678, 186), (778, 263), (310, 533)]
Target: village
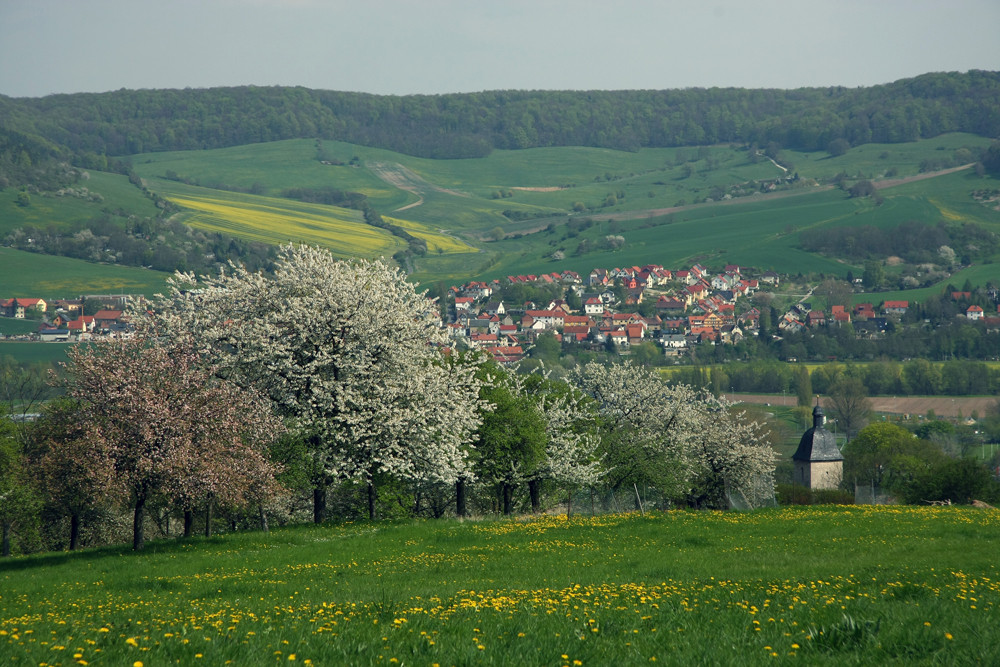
[(615, 310), (64, 321), (691, 308)]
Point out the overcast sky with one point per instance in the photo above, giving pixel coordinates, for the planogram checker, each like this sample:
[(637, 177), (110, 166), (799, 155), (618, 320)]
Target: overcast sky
[(442, 46)]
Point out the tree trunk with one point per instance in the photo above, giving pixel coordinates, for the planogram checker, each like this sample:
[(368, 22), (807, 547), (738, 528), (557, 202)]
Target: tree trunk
[(208, 518), (535, 491), (319, 504), (138, 524), (508, 499), (569, 502), (74, 531), (263, 518), (460, 506), (372, 501), (5, 540), (188, 522)]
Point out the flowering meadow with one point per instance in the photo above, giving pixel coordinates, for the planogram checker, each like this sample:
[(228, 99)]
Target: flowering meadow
[(873, 585)]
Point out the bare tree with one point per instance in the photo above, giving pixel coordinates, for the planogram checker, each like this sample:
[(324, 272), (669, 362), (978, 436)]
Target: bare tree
[(849, 404)]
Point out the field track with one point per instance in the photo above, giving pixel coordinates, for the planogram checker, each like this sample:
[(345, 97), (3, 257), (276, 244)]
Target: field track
[(943, 406)]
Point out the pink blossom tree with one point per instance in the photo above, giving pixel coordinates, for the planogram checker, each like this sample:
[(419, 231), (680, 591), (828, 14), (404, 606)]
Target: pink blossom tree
[(168, 426)]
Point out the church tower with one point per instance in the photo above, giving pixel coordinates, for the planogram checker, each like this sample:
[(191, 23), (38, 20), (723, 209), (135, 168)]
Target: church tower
[(818, 462)]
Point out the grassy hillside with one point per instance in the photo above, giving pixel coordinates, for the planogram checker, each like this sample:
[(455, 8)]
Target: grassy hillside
[(821, 585), (114, 191), (648, 197), (28, 274), (632, 194)]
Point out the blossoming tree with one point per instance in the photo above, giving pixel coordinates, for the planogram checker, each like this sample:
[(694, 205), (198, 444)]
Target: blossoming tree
[(167, 425), (671, 437), (349, 352)]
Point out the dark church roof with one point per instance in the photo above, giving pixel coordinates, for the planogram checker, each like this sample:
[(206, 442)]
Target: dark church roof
[(817, 444)]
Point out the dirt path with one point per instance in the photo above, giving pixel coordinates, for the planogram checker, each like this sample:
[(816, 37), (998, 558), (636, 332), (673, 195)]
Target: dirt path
[(882, 185), (400, 177), (943, 406)]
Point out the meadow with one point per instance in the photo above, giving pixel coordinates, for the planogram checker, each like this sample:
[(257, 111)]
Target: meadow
[(653, 207), (535, 196), (34, 353), (817, 585), (33, 275), (46, 210)]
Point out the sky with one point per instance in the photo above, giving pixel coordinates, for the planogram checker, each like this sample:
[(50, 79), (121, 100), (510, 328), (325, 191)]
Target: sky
[(404, 47)]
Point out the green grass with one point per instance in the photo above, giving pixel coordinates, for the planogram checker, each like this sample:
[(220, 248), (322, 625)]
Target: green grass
[(979, 274), (10, 326), (31, 275), (32, 353), (46, 210), (458, 203), (822, 585)]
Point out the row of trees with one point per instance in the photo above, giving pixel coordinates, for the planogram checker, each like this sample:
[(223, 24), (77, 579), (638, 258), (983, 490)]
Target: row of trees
[(916, 377), (127, 122), (245, 391), (914, 241)]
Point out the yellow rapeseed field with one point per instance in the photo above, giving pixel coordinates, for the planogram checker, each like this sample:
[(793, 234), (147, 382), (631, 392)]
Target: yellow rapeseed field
[(273, 220)]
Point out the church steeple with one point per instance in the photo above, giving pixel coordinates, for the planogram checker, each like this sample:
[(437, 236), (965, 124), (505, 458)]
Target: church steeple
[(819, 419), (818, 461)]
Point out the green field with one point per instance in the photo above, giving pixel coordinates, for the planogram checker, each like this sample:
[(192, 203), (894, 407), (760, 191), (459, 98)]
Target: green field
[(466, 198), (31, 275), (455, 205), (32, 353), (10, 326), (46, 210), (819, 585)]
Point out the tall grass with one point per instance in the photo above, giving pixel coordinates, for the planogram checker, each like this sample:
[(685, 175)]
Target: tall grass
[(819, 585)]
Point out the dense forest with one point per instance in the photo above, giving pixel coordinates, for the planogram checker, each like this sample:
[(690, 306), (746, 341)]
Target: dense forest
[(95, 126)]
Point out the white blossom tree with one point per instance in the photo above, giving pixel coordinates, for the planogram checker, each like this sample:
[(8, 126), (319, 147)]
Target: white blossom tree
[(572, 456), (350, 353), (671, 437)]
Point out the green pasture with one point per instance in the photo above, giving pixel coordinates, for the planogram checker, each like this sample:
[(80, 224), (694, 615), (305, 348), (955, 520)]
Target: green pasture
[(278, 166), (814, 585), (873, 161), (10, 326), (48, 209), (32, 353), (32, 275), (459, 203), (977, 275)]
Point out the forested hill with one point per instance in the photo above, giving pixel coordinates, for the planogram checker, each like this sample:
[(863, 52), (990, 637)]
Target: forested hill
[(467, 125)]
